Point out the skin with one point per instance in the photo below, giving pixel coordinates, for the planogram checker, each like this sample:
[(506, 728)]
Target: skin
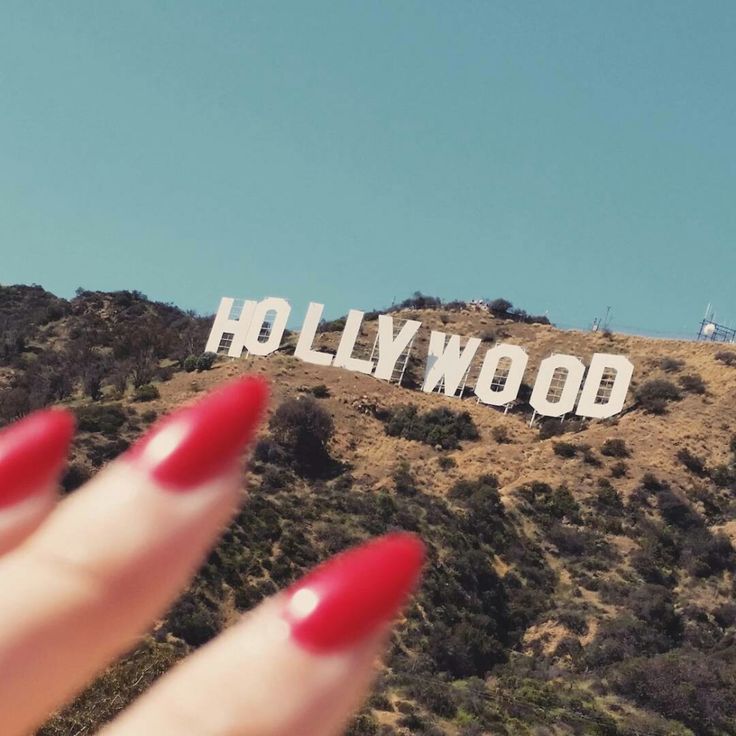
[(83, 579)]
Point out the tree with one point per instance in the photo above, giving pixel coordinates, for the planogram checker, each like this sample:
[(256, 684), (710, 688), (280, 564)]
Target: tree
[(500, 306), (303, 428)]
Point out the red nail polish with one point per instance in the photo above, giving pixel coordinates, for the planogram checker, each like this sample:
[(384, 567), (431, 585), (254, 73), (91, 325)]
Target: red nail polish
[(32, 452), (198, 442), (351, 595)]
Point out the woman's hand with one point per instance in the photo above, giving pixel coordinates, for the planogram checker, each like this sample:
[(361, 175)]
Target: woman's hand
[(81, 581)]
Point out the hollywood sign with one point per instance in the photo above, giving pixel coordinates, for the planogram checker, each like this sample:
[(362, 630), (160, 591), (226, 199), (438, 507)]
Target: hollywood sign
[(562, 385)]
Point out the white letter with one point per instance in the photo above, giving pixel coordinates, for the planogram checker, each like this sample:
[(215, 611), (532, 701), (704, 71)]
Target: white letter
[(390, 349), (276, 331), (235, 329), (343, 358), (567, 393), (446, 362), (303, 349), (518, 359), (601, 362)]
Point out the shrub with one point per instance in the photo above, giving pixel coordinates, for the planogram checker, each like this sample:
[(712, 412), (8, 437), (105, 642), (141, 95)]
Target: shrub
[(570, 540), (726, 356), (446, 462), (147, 392), (708, 554), (618, 470), (190, 363), (443, 426), (404, 481), (100, 453), (650, 482), (653, 395), (608, 498), (676, 511), (550, 427), (686, 685), (723, 475), (268, 451), (320, 391), (671, 365), (574, 621), (565, 449), (615, 448), (303, 428), (692, 462), (165, 373), (193, 621), (75, 476), (205, 361), (364, 724), (501, 435), (692, 383), (589, 457), (105, 418), (500, 306)]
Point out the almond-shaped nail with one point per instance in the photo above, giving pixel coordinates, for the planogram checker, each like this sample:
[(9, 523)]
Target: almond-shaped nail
[(33, 452), (355, 593), (197, 443)]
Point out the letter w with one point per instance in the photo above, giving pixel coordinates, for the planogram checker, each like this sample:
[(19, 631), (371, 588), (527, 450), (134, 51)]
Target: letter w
[(446, 363)]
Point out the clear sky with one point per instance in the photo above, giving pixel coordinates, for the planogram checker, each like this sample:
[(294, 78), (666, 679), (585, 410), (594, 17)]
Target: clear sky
[(566, 155)]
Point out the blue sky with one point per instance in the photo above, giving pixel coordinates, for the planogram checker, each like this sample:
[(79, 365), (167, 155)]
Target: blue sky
[(564, 155)]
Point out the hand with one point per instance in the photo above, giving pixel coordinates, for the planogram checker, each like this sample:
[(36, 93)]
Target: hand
[(82, 580)]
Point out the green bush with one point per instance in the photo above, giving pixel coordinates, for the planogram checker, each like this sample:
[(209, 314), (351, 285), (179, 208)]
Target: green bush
[(147, 392), (105, 418), (303, 429), (443, 426), (190, 363), (205, 361)]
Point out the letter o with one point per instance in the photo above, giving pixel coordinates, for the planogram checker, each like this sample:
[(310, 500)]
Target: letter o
[(272, 304), (569, 394), (510, 389)]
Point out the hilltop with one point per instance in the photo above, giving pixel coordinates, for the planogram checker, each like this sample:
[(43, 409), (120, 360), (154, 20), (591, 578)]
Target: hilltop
[(581, 575)]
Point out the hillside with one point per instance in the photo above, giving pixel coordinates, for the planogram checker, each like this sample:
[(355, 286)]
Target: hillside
[(581, 574)]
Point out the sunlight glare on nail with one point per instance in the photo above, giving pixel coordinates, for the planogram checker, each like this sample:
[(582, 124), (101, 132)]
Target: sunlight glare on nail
[(302, 603), (165, 442)]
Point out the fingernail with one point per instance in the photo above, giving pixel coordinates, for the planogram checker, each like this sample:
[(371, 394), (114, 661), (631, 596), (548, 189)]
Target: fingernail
[(197, 443), (351, 595), (32, 452)]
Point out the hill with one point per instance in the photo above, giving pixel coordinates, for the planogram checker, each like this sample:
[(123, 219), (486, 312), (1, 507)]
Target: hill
[(581, 575)]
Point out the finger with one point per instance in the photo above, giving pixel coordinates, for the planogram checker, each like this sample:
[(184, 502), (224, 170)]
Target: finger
[(299, 664), (114, 554), (32, 454)]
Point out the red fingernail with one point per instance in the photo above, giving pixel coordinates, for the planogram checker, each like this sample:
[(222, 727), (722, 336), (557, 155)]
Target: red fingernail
[(32, 452), (199, 442), (351, 595)]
